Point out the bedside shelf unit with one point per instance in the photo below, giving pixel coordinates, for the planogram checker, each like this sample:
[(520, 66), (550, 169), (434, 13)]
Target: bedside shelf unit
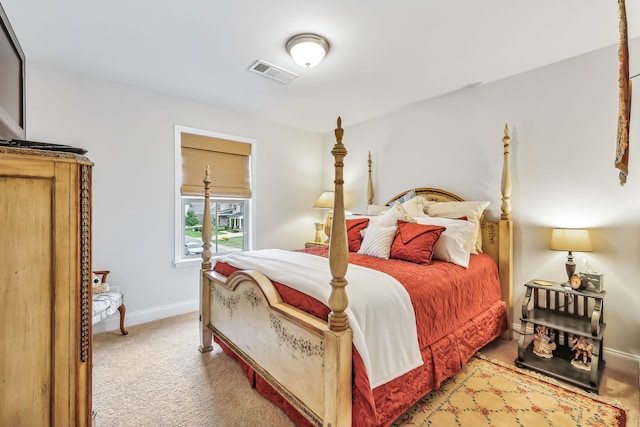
[(568, 314)]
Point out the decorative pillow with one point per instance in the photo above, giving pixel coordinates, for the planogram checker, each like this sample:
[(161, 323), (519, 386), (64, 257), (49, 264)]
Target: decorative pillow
[(415, 242), (415, 207), (472, 210), (455, 243), (391, 217), (354, 226), (377, 241), (98, 287), (376, 209)]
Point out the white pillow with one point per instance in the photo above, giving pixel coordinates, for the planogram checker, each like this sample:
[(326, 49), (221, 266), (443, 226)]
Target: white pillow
[(455, 243), (472, 210), (415, 206), (377, 241), (376, 209), (391, 216)]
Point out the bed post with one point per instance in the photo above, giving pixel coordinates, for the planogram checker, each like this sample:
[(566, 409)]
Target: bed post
[(369, 183), (338, 339), (338, 250), (505, 231), (206, 335)]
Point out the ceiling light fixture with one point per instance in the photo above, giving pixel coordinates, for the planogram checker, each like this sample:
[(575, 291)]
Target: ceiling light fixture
[(307, 50)]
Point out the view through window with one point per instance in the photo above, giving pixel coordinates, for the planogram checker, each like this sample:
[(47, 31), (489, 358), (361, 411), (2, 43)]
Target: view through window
[(227, 219)]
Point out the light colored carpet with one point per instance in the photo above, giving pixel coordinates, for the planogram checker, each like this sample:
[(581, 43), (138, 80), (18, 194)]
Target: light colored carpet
[(155, 376)]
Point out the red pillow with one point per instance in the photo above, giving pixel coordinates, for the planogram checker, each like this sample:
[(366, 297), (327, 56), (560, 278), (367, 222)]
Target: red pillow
[(415, 242), (354, 226)]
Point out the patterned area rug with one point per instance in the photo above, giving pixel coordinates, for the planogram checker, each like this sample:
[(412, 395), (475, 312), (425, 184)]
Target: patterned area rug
[(490, 393)]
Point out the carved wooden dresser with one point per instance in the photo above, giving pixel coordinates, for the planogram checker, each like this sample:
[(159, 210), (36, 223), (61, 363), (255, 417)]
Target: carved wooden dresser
[(45, 288)]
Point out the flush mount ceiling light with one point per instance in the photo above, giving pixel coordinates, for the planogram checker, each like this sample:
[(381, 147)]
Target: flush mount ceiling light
[(307, 50)]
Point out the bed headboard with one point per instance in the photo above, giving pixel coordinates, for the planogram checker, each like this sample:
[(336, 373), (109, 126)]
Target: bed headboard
[(432, 194), (497, 236), (489, 233)]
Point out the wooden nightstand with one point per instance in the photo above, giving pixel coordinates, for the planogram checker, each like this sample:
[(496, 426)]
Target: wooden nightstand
[(315, 244), (568, 314)]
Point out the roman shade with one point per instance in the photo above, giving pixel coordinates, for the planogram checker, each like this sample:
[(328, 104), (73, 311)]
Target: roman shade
[(230, 163)]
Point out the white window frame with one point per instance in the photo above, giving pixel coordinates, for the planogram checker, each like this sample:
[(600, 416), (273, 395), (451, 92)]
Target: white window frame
[(179, 261)]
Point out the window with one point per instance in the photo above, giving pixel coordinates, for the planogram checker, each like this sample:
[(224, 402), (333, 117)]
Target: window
[(229, 160)]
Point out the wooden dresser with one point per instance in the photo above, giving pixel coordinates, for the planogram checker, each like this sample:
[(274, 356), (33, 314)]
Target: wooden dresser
[(45, 288)]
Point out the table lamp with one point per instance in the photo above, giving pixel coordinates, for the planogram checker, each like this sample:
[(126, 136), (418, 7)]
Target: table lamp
[(570, 239), (325, 201)]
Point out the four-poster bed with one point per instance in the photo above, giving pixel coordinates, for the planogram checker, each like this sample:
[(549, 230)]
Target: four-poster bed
[(308, 354)]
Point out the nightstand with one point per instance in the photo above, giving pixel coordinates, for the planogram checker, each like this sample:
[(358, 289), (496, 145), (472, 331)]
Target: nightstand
[(568, 317), (315, 244)]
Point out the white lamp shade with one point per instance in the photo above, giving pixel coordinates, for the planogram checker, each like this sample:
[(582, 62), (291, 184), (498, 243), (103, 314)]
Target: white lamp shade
[(307, 50), (570, 239), (325, 200)]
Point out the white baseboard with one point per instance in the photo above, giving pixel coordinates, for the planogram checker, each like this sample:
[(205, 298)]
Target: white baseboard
[(147, 315), (622, 361)]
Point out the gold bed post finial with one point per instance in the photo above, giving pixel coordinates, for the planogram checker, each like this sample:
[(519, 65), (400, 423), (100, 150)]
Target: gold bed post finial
[(338, 250), (339, 132), (206, 219), (506, 177), (370, 183)]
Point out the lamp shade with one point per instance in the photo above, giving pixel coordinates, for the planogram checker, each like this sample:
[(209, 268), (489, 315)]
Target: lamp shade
[(325, 200), (307, 50), (570, 239)]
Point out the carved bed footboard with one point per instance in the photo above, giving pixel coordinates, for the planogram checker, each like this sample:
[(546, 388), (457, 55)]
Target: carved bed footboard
[(281, 343)]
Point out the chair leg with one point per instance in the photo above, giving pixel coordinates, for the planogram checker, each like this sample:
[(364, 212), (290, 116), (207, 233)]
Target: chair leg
[(122, 311)]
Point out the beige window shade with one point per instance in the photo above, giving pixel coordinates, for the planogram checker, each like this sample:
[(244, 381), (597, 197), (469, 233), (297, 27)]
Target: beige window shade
[(229, 162)]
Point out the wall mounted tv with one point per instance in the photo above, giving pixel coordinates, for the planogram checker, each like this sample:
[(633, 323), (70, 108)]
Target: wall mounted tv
[(12, 83)]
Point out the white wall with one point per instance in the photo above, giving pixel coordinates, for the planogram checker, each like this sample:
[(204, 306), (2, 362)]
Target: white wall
[(130, 137), (563, 120), (563, 124)]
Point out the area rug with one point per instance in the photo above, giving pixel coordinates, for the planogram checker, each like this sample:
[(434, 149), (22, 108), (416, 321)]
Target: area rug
[(491, 393)]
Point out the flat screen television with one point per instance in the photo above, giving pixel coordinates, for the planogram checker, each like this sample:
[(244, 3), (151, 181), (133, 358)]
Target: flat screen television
[(12, 83)]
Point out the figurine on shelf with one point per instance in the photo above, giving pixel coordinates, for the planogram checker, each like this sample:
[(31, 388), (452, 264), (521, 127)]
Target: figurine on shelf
[(543, 345), (319, 228), (582, 346)]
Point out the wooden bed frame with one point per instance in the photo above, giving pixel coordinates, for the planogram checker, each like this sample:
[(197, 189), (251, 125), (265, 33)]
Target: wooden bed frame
[(285, 345)]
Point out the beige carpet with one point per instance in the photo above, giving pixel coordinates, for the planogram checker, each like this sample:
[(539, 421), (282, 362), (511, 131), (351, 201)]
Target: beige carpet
[(155, 376)]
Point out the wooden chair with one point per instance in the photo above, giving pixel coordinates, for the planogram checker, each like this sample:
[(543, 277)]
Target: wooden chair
[(105, 304)]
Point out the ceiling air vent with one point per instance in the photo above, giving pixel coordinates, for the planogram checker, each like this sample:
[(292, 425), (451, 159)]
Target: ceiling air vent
[(276, 73)]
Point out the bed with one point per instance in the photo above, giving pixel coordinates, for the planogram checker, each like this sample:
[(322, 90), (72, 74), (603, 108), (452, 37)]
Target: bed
[(305, 348)]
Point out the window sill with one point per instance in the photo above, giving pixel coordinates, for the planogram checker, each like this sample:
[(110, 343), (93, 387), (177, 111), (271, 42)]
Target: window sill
[(187, 263), (190, 263)]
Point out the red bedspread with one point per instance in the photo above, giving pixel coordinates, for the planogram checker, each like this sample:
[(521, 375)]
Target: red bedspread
[(457, 311)]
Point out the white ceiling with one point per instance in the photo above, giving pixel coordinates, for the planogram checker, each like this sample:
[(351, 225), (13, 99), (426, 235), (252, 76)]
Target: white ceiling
[(384, 54)]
